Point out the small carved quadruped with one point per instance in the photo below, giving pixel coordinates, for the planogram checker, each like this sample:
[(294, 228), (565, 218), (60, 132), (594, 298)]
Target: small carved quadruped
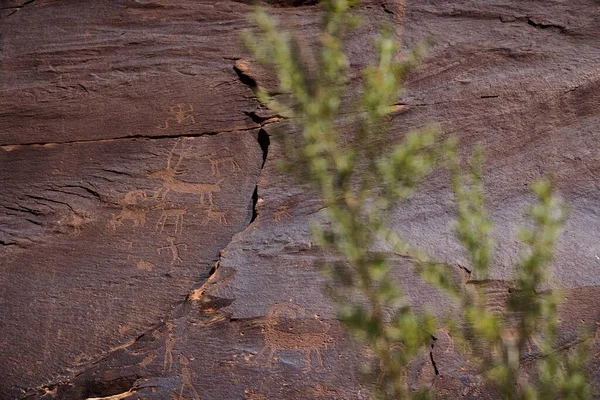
[(216, 215), (169, 213), (216, 160), (130, 210), (277, 338)]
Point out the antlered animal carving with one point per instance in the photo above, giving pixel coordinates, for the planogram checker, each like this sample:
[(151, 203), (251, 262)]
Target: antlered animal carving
[(172, 183)]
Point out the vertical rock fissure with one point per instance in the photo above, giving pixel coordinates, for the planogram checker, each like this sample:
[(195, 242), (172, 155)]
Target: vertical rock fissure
[(263, 141)]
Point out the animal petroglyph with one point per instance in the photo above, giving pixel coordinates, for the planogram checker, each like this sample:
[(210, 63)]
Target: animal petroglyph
[(186, 379), (132, 198), (216, 160), (137, 218), (213, 214), (179, 115), (172, 183), (288, 327), (130, 210), (207, 189), (145, 265), (250, 394), (281, 212), (174, 249), (73, 224), (174, 214)]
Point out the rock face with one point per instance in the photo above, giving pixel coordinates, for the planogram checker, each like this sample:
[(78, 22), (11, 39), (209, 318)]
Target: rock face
[(150, 248)]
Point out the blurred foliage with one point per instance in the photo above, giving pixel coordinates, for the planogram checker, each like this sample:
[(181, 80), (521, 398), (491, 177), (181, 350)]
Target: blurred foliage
[(361, 178)]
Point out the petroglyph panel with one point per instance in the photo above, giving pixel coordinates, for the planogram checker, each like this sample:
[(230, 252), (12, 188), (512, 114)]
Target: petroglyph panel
[(83, 214), (125, 220)]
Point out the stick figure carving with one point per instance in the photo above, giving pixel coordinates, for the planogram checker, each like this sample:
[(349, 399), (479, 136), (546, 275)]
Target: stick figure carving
[(170, 182), (169, 346), (288, 327), (186, 378), (179, 115), (175, 214), (174, 249)]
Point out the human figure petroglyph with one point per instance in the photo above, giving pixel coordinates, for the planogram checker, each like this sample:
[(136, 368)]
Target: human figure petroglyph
[(186, 378), (169, 346), (179, 115), (216, 160), (298, 334), (174, 248), (172, 183), (214, 214), (175, 214)]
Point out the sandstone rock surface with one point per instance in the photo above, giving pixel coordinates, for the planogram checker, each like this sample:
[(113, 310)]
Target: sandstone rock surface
[(149, 246)]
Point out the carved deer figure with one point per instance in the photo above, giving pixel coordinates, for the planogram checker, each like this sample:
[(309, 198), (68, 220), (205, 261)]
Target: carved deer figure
[(137, 217), (298, 334), (169, 213), (215, 161), (172, 183), (213, 214), (130, 210)]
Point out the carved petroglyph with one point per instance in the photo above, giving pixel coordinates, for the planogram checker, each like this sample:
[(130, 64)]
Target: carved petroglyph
[(216, 160), (179, 114), (216, 215), (289, 327), (130, 211), (137, 218), (281, 212), (172, 183), (170, 213), (170, 173), (207, 189), (147, 360), (186, 379), (251, 394), (174, 249), (169, 346), (132, 198), (73, 224), (145, 265)]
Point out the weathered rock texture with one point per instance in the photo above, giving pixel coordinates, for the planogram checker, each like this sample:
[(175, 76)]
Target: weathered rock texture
[(150, 248)]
